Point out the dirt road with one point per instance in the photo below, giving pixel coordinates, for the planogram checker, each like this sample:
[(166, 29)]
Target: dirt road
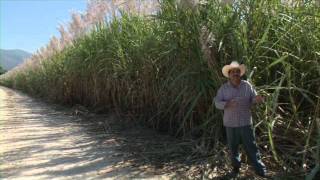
[(41, 141)]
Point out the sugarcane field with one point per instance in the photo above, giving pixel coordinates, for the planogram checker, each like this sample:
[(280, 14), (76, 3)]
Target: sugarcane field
[(160, 89)]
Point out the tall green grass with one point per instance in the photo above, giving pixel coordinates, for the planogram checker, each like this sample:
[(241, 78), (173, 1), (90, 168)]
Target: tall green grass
[(165, 69)]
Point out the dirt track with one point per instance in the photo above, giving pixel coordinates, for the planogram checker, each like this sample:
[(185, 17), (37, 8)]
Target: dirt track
[(41, 141)]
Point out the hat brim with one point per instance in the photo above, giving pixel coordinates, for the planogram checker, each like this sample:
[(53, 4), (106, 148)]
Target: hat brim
[(227, 68)]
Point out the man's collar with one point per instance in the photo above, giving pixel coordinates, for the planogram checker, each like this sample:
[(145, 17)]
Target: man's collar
[(229, 83)]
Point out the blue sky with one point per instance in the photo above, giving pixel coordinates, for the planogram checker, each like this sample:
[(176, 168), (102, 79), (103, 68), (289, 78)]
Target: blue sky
[(29, 24)]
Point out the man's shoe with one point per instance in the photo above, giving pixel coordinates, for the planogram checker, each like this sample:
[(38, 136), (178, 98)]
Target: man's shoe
[(232, 174), (261, 174), (235, 171)]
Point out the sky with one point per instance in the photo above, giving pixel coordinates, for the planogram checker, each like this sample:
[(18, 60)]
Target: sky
[(29, 24)]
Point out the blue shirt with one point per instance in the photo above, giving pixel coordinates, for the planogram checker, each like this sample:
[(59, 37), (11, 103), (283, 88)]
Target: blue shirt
[(244, 94)]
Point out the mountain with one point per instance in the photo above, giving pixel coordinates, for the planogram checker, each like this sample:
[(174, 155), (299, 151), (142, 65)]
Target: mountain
[(11, 58), (2, 70)]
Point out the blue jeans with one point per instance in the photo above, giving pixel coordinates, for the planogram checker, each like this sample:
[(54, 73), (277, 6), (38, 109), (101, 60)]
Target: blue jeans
[(244, 135)]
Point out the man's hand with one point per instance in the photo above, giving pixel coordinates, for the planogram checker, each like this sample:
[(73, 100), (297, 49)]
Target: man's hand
[(231, 103), (259, 99)]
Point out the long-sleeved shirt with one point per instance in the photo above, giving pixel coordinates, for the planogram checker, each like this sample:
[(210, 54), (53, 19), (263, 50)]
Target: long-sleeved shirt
[(244, 95)]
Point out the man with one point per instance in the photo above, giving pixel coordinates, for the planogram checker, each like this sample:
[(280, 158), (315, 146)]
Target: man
[(236, 97)]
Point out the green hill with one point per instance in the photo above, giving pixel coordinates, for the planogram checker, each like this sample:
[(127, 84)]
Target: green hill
[(11, 58), (1, 70)]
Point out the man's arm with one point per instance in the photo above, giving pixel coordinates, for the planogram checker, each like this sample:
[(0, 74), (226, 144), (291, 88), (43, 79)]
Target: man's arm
[(253, 94), (219, 100), (255, 98)]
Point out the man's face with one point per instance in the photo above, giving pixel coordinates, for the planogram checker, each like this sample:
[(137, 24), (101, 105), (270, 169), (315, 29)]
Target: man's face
[(234, 74)]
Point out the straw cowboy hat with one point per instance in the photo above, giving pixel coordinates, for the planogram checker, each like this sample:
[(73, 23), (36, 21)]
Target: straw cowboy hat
[(233, 65)]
